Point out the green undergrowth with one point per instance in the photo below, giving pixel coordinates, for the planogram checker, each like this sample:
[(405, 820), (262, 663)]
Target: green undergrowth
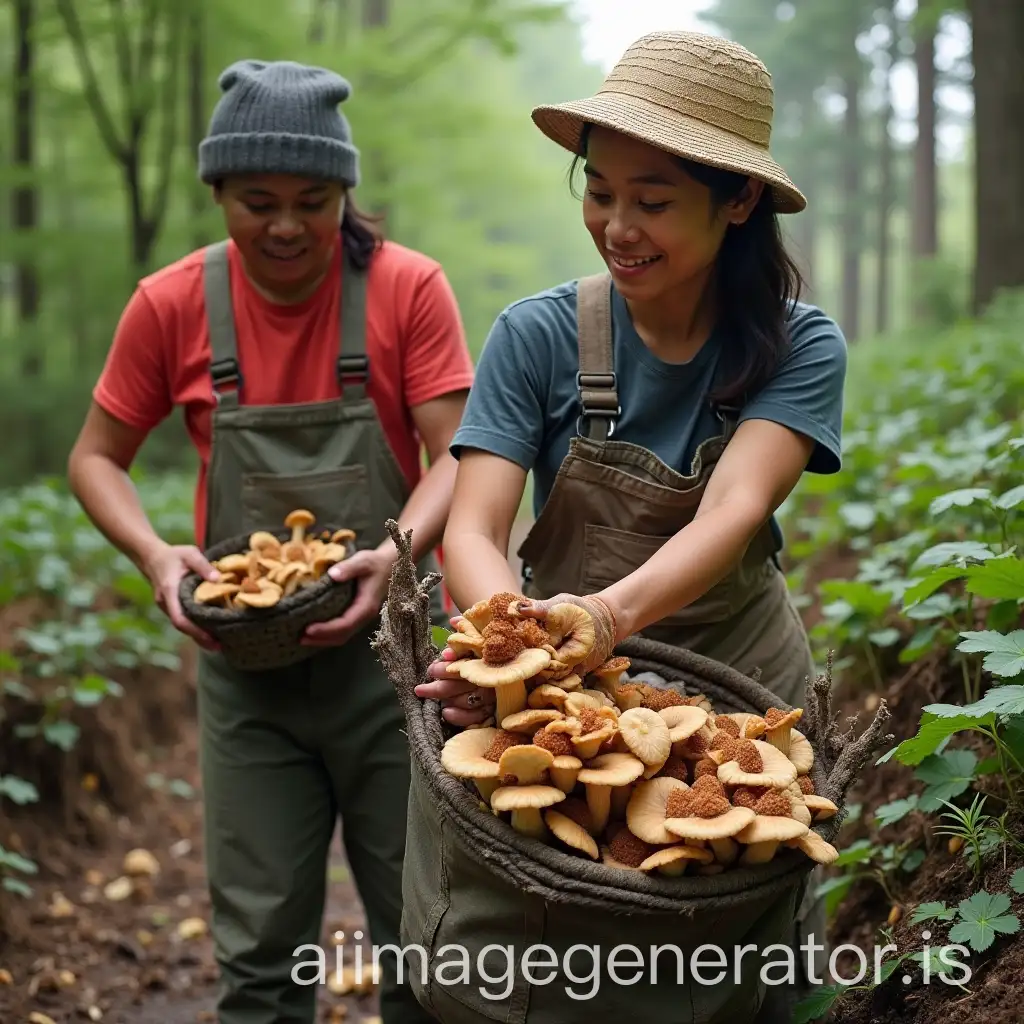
[(73, 612), (911, 558)]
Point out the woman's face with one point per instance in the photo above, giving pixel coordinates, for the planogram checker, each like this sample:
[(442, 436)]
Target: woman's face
[(285, 227), (651, 222)]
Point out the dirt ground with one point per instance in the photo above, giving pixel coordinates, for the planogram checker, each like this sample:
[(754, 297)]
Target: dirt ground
[(95, 943)]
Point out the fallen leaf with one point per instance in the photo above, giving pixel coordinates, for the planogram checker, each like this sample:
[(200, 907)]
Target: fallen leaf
[(94, 878), (40, 1018), (90, 782), (372, 1020), (182, 848), (5, 977), (66, 979), (119, 889), (95, 1013), (192, 928), (144, 938)]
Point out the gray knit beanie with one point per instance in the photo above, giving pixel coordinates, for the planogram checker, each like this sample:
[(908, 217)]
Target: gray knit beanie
[(280, 118)]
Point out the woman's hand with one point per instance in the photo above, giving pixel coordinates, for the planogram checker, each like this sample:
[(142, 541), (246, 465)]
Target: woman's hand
[(605, 635), (165, 567), (373, 570), (462, 703)]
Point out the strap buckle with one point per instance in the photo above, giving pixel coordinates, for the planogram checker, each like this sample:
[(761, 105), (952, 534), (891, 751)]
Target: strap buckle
[(225, 371), (602, 382), (354, 369)]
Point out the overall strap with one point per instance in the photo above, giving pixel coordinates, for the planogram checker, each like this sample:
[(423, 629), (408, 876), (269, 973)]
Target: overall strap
[(353, 364), (224, 368), (595, 380)]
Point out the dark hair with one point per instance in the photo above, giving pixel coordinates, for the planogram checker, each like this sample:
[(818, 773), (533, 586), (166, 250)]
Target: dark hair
[(360, 233), (757, 281)]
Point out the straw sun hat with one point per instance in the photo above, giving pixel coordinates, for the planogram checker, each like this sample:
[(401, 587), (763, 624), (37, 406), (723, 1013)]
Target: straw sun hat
[(697, 96)]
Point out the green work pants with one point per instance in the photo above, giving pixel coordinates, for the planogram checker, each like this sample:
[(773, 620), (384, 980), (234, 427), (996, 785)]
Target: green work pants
[(283, 755)]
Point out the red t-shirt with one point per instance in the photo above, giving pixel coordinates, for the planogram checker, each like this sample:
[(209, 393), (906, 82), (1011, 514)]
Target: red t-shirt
[(160, 356)]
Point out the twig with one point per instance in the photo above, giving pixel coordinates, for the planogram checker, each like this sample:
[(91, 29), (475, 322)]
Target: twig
[(403, 642)]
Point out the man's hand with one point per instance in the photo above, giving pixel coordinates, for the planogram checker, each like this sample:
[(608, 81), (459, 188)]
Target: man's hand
[(165, 567), (372, 569)]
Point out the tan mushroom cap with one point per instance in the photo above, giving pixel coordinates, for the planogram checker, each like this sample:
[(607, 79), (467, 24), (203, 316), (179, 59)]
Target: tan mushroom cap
[(611, 770), (547, 695), (673, 860), (233, 563), (266, 594), (778, 771), (765, 828), (819, 806), (801, 753), (529, 721), (525, 665), (526, 762), (463, 644), (646, 810), (815, 847), (298, 520), (751, 726), (521, 798), (571, 833), (209, 592), (573, 627), (647, 735), (800, 811), (343, 536), (683, 721), (723, 826), (463, 754), (780, 732)]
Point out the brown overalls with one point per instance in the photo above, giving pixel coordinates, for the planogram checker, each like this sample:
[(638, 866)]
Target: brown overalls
[(614, 504)]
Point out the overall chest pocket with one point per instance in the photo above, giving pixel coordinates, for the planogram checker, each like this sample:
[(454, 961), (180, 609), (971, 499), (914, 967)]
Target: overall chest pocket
[(340, 495), (610, 554)]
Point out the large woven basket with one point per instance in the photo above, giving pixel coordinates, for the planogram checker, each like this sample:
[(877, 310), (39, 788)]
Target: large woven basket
[(471, 879), (260, 639)]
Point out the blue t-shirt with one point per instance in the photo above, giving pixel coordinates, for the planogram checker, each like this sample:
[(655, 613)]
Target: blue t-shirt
[(524, 405)]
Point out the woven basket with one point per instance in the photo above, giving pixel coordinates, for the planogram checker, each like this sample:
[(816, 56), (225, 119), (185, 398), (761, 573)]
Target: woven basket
[(260, 639)]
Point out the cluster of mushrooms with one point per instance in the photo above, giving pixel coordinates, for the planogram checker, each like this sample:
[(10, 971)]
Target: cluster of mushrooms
[(270, 569), (634, 776)]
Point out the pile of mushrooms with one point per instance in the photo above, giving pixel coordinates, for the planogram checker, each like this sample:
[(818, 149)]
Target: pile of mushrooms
[(634, 776), (270, 570)]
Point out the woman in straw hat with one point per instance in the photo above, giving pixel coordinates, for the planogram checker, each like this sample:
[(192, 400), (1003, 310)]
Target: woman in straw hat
[(668, 406)]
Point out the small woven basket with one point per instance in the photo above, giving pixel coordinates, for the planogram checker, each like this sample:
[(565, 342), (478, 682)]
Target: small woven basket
[(260, 639)]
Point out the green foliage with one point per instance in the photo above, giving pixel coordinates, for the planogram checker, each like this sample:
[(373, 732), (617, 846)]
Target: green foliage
[(94, 616)]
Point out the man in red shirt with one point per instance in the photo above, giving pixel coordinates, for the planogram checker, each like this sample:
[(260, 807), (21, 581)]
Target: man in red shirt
[(312, 366)]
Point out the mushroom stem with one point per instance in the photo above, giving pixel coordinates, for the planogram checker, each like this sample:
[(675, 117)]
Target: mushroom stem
[(528, 821), (781, 740), (564, 778), (619, 800), (486, 788), (726, 850), (599, 801), (510, 699), (759, 853)]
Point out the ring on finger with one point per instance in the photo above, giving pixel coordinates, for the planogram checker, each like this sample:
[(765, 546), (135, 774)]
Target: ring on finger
[(474, 700)]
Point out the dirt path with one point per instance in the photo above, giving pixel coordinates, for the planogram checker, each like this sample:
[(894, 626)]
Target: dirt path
[(130, 957)]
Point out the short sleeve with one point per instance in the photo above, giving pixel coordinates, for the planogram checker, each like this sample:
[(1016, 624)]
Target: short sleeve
[(133, 385), (806, 392), (436, 359), (505, 411)]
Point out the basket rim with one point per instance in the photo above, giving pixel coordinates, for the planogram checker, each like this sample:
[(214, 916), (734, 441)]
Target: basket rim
[(301, 600)]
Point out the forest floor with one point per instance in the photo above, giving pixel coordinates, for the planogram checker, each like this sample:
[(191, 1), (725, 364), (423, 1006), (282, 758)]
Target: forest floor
[(93, 945)]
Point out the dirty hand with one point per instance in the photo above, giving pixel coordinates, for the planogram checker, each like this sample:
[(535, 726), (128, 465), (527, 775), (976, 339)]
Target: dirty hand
[(372, 570), (604, 624), (462, 703), (165, 567)]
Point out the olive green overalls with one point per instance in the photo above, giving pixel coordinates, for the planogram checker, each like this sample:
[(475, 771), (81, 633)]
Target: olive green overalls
[(285, 752), (614, 504)]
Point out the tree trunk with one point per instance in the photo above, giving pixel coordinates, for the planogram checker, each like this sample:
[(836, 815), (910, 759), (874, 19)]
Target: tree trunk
[(24, 199), (375, 15), (998, 31), (197, 116), (851, 185), (885, 188), (925, 218)]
